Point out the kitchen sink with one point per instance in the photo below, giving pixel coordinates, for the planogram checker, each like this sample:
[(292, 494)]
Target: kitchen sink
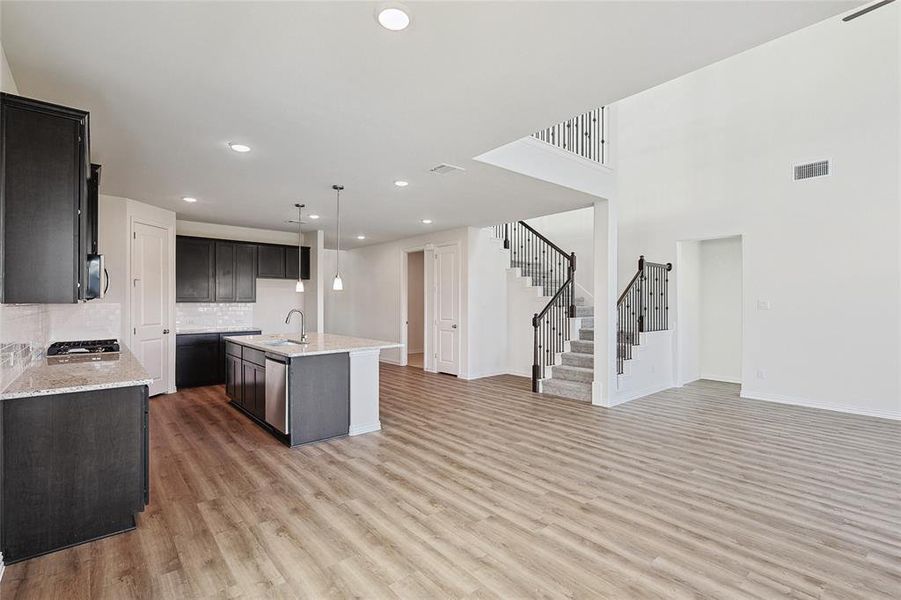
[(279, 343)]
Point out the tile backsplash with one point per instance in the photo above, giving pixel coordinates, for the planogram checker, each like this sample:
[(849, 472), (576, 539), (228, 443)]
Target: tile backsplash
[(27, 329), (213, 314)]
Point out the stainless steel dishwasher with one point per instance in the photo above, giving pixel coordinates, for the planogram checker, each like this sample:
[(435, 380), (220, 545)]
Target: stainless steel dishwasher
[(277, 392)]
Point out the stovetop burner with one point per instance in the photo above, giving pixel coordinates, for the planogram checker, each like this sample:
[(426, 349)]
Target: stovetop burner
[(83, 347)]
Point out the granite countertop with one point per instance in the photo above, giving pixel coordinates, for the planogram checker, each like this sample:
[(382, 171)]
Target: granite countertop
[(213, 329), (319, 343), (42, 378)]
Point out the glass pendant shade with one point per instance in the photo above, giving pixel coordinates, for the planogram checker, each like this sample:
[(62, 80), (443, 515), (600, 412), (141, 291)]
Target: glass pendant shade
[(337, 285), (299, 286)]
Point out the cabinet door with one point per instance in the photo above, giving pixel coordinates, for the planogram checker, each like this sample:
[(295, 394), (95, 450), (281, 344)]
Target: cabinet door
[(270, 261), (259, 384), (234, 387), (194, 270), (245, 272), (44, 185), (305, 262), (249, 385), (225, 272), (292, 266), (196, 360)]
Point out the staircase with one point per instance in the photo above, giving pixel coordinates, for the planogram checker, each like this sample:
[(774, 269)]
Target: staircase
[(643, 307), (561, 366)]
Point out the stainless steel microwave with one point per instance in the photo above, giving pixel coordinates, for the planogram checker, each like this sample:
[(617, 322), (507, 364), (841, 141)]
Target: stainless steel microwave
[(97, 282)]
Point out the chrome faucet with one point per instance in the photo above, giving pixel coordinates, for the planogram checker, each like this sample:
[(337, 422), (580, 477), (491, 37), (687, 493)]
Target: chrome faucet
[(303, 327)]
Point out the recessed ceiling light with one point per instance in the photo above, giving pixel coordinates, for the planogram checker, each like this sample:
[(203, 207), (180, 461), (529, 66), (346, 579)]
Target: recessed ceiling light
[(314, 216), (394, 18), (189, 199), (239, 147), (401, 183), (361, 237), (427, 221)]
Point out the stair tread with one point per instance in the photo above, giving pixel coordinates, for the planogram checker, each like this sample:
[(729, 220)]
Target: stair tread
[(574, 368)]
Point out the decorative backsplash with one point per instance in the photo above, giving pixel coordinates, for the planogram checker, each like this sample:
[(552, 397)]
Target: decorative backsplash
[(27, 329), (212, 314)]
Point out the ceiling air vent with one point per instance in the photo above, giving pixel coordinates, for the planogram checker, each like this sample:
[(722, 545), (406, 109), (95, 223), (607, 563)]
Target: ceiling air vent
[(814, 169), (444, 169)]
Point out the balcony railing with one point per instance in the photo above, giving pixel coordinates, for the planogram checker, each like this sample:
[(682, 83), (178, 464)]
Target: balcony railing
[(584, 135)]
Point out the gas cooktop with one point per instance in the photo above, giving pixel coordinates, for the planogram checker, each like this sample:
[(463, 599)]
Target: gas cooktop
[(83, 347)]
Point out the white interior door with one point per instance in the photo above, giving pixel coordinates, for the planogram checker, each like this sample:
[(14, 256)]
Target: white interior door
[(150, 302), (447, 310)]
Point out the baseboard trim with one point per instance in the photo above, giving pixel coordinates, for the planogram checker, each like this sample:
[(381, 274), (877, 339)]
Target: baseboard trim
[(722, 378), (805, 403), (367, 428), (623, 397)]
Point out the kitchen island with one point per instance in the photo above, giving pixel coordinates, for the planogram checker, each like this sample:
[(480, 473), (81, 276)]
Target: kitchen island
[(306, 391)]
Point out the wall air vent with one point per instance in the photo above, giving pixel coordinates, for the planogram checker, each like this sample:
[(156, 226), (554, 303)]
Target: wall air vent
[(444, 169), (819, 168)]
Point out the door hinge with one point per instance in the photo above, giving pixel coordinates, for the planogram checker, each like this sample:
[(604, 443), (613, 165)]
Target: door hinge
[(134, 331), (134, 235)]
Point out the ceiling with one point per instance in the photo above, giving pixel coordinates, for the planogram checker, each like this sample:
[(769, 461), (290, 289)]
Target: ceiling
[(324, 95)]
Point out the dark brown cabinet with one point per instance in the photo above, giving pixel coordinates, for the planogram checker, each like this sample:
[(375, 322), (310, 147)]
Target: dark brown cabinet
[(234, 378), (209, 270), (73, 468), (44, 170), (202, 359), (271, 261), (195, 274)]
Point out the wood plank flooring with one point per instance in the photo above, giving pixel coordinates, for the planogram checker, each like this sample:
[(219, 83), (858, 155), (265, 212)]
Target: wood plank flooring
[(483, 490)]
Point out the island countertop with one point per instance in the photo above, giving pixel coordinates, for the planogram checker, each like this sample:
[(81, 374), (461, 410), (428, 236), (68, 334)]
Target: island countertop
[(318, 343), (42, 377)]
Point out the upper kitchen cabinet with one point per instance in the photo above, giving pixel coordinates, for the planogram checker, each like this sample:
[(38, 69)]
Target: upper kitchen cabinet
[(281, 262), (44, 217), (271, 261), (195, 269), (236, 272)]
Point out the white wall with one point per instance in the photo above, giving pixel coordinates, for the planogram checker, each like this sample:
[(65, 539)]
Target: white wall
[(686, 279), (7, 81), (415, 301), (721, 309), (370, 304), (486, 297), (573, 231), (710, 155)]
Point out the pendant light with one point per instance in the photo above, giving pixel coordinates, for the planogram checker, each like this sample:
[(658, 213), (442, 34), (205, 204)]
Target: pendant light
[(299, 286), (337, 284)]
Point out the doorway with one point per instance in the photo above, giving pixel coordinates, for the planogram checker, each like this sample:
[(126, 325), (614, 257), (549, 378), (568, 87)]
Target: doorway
[(416, 309), (709, 323), (150, 302)]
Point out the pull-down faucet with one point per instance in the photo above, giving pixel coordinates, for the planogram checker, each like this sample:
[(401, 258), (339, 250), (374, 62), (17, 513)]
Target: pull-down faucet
[(303, 328)]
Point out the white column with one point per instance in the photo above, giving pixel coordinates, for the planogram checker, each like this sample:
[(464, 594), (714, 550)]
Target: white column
[(314, 297), (364, 392), (604, 385)]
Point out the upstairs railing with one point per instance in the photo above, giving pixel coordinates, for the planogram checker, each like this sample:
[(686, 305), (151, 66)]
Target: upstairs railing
[(585, 135), (554, 270), (642, 307)]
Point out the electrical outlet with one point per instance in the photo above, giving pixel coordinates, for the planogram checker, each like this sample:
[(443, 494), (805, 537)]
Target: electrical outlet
[(763, 305), (761, 374)]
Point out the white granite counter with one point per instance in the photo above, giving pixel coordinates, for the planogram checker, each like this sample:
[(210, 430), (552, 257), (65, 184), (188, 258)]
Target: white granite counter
[(318, 343), (41, 377), (181, 329)]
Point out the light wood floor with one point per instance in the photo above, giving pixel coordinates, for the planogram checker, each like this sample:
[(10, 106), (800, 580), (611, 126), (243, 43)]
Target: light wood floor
[(483, 490)]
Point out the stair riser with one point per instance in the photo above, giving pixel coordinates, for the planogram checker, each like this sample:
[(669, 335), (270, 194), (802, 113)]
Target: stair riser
[(578, 360), (584, 311), (585, 347), (568, 389), (586, 334), (570, 375)]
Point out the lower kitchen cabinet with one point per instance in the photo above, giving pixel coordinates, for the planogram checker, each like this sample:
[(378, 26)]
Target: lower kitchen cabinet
[(200, 358), (75, 467), (254, 392), (234, 377)]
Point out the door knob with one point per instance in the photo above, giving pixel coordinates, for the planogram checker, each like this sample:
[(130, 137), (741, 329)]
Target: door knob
[(165, 331), (454, 326)]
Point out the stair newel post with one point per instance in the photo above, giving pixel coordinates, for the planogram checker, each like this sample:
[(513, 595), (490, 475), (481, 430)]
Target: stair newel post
[(506, 236), (572, 284), (640, 283), (536, 368)]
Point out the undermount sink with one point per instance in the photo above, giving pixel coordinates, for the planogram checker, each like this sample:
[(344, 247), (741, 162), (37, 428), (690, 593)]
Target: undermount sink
[(278, 343), (285, 343)]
